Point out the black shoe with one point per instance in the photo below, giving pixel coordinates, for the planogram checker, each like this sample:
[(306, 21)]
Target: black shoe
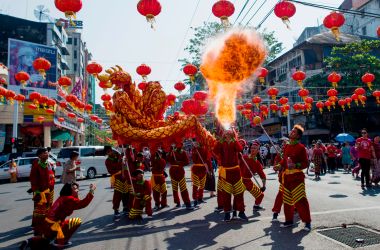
[(218, 209), (178, 205), (258, 207), (242, 216), (189, 207), (116, 214), (234, 214), (195, 203), (164, 206), (274, 218), (125, 211), (287, 224), (24, 245), (227, 217), (201, 201), (368, 186), (156, 208), (307, 227), (66, 244)]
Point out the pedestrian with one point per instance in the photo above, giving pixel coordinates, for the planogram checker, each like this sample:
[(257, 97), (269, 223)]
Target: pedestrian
[(178, 159), (69, 168), (142, 196), (210, 178), (13, 171), (120, 179), (346, 157), (376, 163), (294, 161), (42, 180), (355, 161), (331, 157), (227, 149), (273, 153), (317, 159), (263, 154), (147, 156), (56, 227), (158, 180), (365, 153)]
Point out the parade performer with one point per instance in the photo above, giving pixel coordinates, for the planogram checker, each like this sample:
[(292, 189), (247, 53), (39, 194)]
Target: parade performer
[(120, 180), (294, 194), (142, 196), (227, 150), (178, 159), (56, 226), (138, 163), (42, 181), (250, 161), (158, 180), (201, 166)]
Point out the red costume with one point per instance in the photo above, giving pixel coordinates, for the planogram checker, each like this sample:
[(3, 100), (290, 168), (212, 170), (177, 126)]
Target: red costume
[(136, 165), (279, 197), (158, 182), (120, 180), (254, 167), (42, 180), (56, 226), (230, 179), (294, 182), (142, 198), (178, 159), (198, 171)]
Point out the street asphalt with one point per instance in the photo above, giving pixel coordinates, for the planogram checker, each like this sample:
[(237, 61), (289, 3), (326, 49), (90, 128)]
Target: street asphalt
[(335, 200)]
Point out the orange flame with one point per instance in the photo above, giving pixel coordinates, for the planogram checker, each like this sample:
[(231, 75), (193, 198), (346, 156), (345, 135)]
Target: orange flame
[(227, 64)]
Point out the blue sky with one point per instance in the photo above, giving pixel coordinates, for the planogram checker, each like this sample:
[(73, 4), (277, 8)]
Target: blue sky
[(117, 34)]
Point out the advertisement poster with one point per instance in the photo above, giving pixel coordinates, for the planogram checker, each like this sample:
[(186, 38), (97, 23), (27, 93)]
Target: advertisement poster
[(21, 55)]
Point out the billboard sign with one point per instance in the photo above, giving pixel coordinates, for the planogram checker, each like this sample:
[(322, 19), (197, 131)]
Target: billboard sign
[(21, 55)]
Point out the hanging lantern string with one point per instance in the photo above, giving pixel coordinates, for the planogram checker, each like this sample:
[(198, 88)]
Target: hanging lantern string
[(351, 12)]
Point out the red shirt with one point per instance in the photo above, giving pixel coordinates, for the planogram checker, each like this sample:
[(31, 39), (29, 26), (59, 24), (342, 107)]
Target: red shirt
[(178, 157), (206, 156), (41, 178), (331, 151), (228, 153), (136, 165), (364, 147), (144, 189), (65, 205), (254, 165), (158, 165), (114, 164), (297, 153)]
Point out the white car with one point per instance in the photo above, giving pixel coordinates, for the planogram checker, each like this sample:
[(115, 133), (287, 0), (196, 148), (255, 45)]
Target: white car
[(24, 165), (91, 160)]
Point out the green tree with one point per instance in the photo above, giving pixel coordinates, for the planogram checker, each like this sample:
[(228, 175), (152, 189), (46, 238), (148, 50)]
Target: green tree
[(351, 61), (211, 29)]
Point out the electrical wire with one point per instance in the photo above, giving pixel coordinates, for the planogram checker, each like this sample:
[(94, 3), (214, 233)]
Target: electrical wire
[(249, 10), (254, 14), (241, 11)]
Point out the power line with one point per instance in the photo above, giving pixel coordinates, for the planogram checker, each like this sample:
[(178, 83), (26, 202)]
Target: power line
[(249, 10), (241, 11), (254, 14)]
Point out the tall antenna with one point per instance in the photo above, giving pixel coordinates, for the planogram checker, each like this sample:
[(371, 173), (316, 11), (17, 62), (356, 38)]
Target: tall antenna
[(41, 13)]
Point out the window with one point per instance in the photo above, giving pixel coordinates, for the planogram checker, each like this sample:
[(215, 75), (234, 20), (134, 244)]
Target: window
[(75, 54), (100, 152), (75, 67), (75, 41), (364, 30), (66, 152), (70, 41), (87, 152)]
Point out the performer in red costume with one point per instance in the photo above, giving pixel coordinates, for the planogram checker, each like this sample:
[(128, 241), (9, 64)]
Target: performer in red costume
[(293, 162), (227, 150), (178, 159), (142, 196), (201, 166), (158, 180), (255, 166), (42, 180), (138, 163), (279, 197), (120, 180), (55, 226)]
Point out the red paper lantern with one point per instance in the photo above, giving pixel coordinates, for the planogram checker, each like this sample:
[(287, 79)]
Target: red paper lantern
[(333, 99), (355, 98), (80, 119), (273, 107), (40, 119), (80, 105), (256, 100), (179, 86), (51, 103), (264, 110), (303, 93), (171, 99), (3, 91), (94, 68), (32, 106), (106, 98), (299, 76), (63, 105), (72, 99), (368, 79), (359, 91), (149, 9), (61, 119), (50, 111), (35, 97), (285, 10), (20, 98), (333, 22), (69, 7), (309, 100), (3, 81), (320, 106), (261, 74), (378, 31), (332, 92), (143, 70), (376, 94), (200, 96), (342, 103), (328, 105), (348, 101), (64, 82), (142, 86), (248, 106), (10, 95), (223, 9), (296, 106), (22, 77), (283, 100), (272, 92), (190, 70), (88, 108), (240, 107), (43, 100), (334, 78), (99, 121), (41, 65), (362, 99), (71, 115), (94, 118)]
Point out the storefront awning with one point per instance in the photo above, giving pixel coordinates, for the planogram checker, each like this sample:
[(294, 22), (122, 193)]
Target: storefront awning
[(60, 136)]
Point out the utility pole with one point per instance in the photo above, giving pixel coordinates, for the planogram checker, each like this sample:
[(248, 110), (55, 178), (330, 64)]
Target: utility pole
[(15, 124)]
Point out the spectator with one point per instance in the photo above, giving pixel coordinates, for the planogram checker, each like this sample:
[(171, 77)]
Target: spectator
[(365, 151), (317, 159), (355, 161), (13, 171), (346, 157), (331, 157), (273, 153), (68, 173), (376, 168), (263, 154)]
